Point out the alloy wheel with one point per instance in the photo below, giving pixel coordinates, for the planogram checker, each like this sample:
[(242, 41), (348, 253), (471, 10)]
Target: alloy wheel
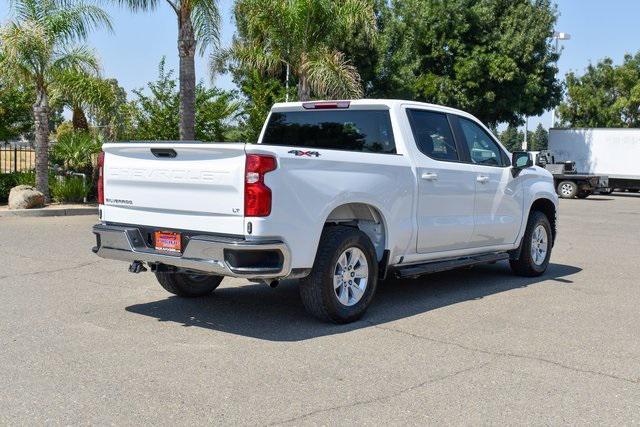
[(539, 245), (351, 275)]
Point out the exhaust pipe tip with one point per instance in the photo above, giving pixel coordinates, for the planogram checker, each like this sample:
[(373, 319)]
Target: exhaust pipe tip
[(272, 283)]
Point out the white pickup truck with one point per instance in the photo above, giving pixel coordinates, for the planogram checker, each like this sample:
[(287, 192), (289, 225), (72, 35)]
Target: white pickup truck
[(336, 194)]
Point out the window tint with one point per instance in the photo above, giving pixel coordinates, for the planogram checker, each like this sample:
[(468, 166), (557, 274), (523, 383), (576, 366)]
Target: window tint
[(367, 131), (433, 134), (482, 148)]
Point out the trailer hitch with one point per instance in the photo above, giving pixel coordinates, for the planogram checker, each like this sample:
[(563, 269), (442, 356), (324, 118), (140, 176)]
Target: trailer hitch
[(137, 267)]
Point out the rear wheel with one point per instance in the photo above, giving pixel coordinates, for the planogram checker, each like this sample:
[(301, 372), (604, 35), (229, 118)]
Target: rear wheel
[(535, 247), (188, 285), (344, 277), (567, 189)]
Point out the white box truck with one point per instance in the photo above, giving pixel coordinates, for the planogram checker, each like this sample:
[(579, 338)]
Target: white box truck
[(611, 152)]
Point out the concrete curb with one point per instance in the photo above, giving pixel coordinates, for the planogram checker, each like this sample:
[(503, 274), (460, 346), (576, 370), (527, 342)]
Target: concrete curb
[(89, 210)]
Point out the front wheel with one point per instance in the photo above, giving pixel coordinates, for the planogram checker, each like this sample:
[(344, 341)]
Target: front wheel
[(535, 247), (344, 277), (567, 189), (188, 285)]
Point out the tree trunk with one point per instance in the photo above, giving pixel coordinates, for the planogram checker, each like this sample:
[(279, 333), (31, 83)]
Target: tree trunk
[(41, 118), (79, 119), (304, 90), (186, 52)]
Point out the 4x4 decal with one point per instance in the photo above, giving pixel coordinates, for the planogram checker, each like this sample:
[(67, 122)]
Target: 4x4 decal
[(300, 153)]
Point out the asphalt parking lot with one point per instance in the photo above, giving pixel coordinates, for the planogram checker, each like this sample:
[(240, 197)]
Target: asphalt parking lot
[(82, 341)]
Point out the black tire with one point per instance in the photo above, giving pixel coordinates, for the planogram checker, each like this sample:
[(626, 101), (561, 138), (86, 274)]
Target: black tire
[(525, 266), (317, 290), (633, 190), (606, 192), (583, 194), (188, 285), (567, 189)]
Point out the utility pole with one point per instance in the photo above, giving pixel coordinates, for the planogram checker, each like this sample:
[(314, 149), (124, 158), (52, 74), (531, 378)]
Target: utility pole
[(286, 95), (526, 134), (557, 36)]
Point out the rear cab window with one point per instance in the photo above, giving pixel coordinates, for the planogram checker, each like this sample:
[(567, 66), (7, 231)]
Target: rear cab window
[(366, 131), (432, 134)]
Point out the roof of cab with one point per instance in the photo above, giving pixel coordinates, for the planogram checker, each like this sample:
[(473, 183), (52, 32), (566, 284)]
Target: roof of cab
[(371, 103)]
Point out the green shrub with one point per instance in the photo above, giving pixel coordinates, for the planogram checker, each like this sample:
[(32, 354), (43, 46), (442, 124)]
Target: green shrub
[(7, 182), (75, 151), (29, 178), (69, 190), (10, 180), (26, 178)]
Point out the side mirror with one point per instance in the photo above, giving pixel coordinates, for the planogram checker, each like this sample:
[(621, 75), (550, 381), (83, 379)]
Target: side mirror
[(521, 160)]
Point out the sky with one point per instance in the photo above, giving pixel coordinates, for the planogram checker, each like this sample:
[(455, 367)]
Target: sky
[(132, 52)]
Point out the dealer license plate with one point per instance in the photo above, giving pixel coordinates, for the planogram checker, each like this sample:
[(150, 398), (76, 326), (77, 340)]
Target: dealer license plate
[(168, 241)]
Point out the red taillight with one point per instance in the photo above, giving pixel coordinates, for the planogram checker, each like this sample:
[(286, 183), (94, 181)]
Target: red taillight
[(257, 196), (101, 178)]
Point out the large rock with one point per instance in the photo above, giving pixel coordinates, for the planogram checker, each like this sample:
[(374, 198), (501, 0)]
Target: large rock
[(25, 197)]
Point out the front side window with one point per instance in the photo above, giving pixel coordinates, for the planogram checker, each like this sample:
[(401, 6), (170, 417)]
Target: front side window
[(433, 135), (367, 131), (482, 148)]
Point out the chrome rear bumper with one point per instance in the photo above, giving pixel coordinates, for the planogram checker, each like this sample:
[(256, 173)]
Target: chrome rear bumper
[(202, 253)]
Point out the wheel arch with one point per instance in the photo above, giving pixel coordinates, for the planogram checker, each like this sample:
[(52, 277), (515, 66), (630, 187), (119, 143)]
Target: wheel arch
[(549, 209), (367, 218)]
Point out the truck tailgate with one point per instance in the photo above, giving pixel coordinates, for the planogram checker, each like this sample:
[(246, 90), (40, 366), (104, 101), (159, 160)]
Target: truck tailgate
[(188, 186)]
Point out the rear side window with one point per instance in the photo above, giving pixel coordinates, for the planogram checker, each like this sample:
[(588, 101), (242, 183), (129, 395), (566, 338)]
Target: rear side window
[(367, 131), (433, 134)]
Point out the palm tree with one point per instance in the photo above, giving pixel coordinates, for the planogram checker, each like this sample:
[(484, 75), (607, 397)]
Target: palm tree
[(81, 92), (38, 46), (301, 35), (198, 24)]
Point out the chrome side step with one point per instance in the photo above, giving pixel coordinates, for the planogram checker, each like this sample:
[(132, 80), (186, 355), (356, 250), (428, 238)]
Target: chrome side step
[(417, 270)]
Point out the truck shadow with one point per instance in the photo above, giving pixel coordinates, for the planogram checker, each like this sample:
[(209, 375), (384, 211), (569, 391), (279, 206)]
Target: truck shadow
[(592, 198), (629, 195), (598, 199), (257, 311)]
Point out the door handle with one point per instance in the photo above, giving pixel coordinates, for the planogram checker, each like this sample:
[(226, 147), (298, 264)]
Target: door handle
[(430, 176), (482, 179)]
